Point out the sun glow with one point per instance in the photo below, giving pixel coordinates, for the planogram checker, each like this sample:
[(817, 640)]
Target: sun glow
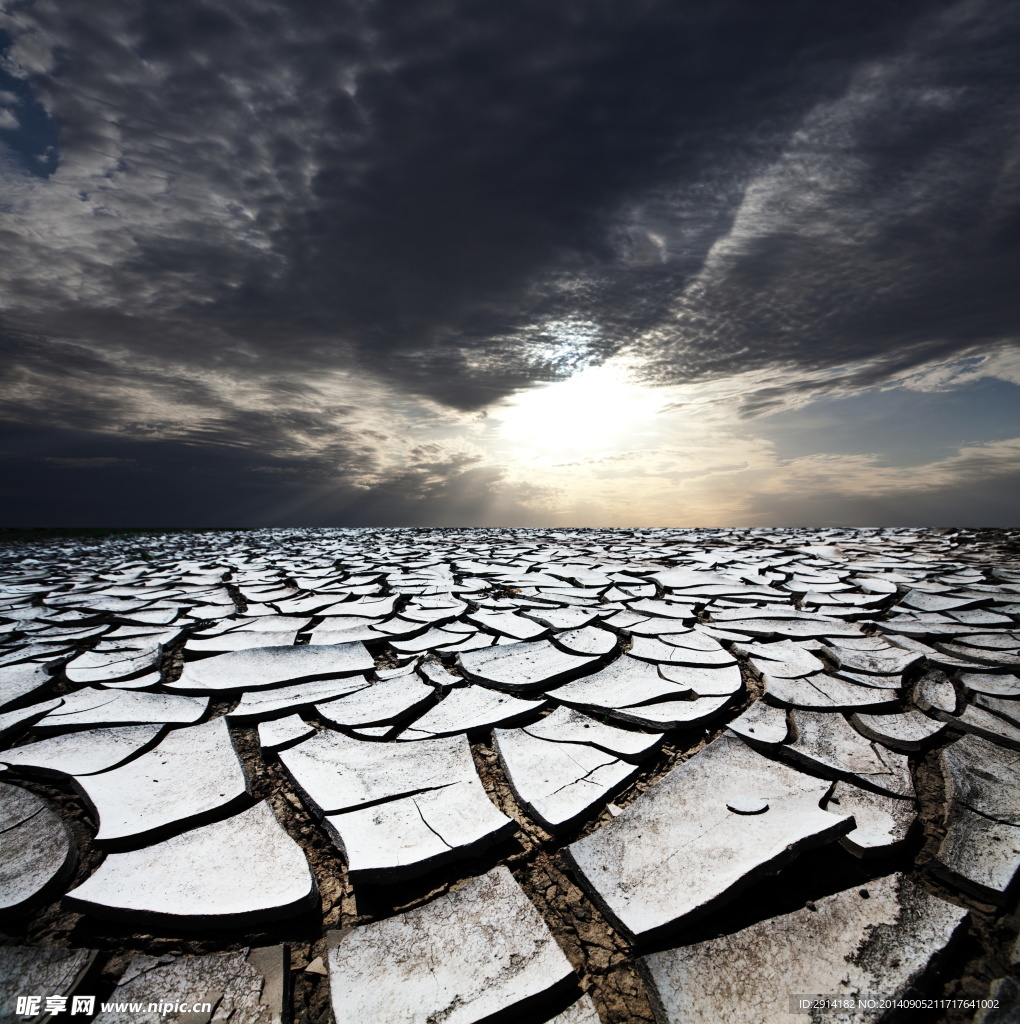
[(599, 410)]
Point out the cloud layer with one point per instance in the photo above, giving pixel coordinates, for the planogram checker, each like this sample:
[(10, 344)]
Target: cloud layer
[(297, 241)]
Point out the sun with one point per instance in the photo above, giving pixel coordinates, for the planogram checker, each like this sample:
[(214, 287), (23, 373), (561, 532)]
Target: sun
[(600, 409)]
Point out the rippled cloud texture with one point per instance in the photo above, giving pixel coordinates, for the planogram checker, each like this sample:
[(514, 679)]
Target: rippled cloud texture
[(459, 263)]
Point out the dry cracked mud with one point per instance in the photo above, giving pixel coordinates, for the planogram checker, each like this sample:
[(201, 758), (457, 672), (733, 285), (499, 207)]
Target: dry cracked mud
[(649, 873)]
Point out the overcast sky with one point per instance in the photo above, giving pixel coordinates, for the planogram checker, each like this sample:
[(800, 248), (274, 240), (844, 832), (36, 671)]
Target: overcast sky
[(580, 263)]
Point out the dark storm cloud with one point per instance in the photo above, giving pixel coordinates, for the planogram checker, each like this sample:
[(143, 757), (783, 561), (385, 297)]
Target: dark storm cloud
[(426, 187), (51, 477), (886, 235), (465, 197)]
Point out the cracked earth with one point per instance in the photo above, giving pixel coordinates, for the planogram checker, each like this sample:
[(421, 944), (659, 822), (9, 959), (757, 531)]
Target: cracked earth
[(533, 775)]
